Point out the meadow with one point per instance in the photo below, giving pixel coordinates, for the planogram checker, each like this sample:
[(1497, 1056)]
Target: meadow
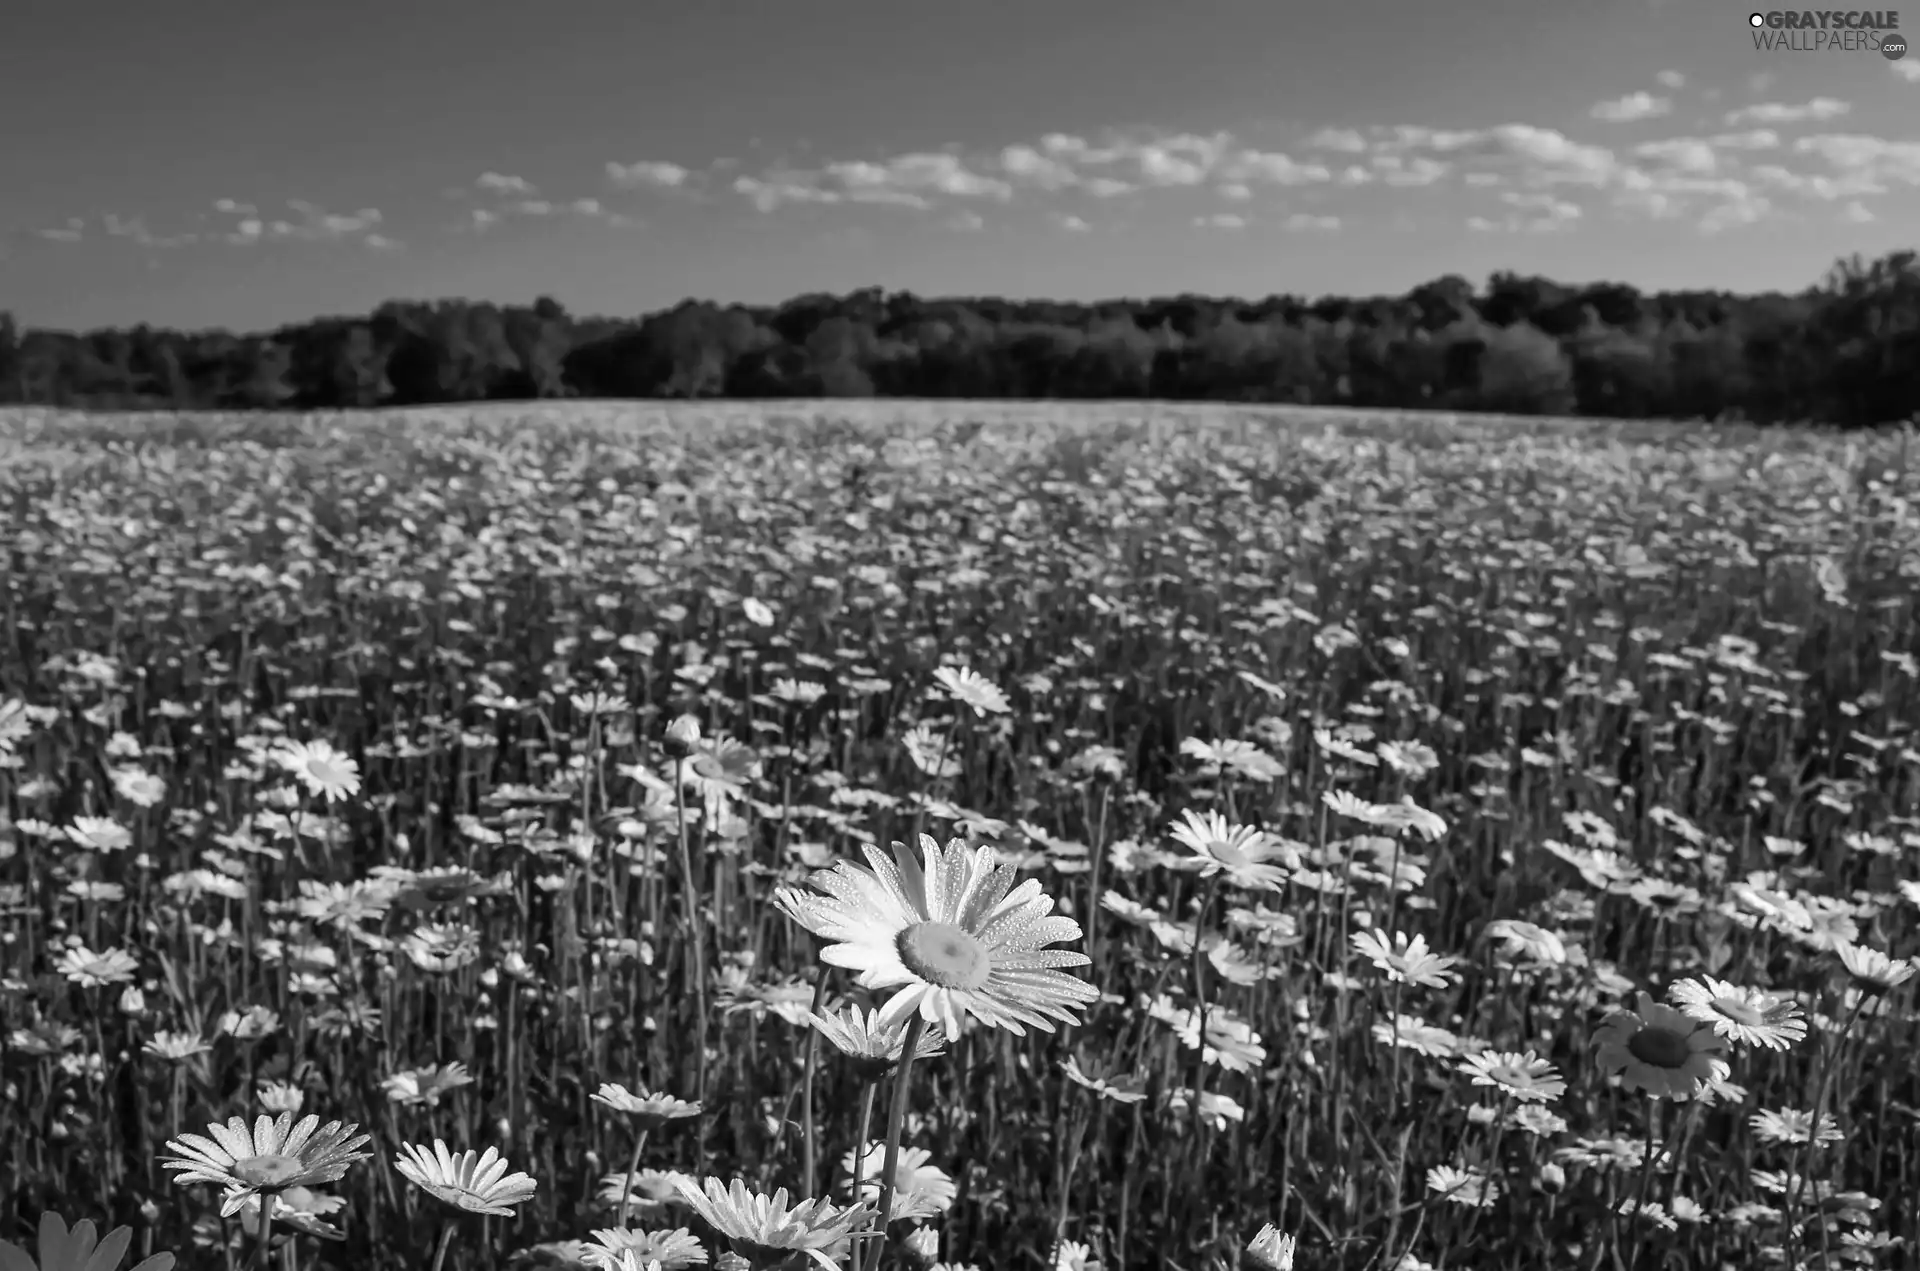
[(1485, 842)]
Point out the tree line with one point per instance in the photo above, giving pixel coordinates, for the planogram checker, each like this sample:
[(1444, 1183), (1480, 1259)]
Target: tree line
[(1844, 351)]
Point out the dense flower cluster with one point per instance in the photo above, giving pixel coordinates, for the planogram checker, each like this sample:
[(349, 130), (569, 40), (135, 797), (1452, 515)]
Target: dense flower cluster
[(1448, 840)]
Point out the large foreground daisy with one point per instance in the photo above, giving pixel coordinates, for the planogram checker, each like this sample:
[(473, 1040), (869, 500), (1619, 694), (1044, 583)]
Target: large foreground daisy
[(949, 935), (1660, 1050), (271, 1157)]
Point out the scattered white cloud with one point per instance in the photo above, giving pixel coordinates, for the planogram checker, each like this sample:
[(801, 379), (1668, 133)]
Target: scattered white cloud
[(310, 223), (1857, 213), (647, 174), (1071, 223), (1033, 167), (1272, 168), (1307, 221), (1221, 220), (1236, 192), (1671, 80), (781, 188), (1906, 69), (966, 220), (1634, 106), (71, 231), (1819, 110), (1536, 212), (1863, 164), (1733, 213), (1404, 170), (1680, 154), (501, 183), (1345, 140)]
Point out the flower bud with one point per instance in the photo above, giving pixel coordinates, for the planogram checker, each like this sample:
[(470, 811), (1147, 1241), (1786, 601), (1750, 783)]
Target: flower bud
[(1552, 1178), (683, 736)]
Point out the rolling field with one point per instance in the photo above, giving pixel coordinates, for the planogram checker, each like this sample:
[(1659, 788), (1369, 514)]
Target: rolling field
[(1456, 842)]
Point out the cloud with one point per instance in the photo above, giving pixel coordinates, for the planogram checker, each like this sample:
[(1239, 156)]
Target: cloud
[(500, 183), (1306, 221), (72, 231), (1671, 80), (1400, 170), (1272, 168), (1236, 192), (1071, 223), (1857, 213), (1221, 220), (310, 224), (484, 218), (778, 189), (1907, 70), (1533, 213), (1819, 109), (647, 174), (1345, 140), (1032, 167), (1864, 164), (966, 220), (1746, 209), (1634, 106), (1683, 154)]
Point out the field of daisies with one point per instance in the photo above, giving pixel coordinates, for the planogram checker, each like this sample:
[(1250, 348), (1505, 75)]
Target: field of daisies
[(624, 837)]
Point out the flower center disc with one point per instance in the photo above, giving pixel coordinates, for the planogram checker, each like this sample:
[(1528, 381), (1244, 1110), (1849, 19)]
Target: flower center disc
[(1660, 1047), (270, 1170), (944, 955)]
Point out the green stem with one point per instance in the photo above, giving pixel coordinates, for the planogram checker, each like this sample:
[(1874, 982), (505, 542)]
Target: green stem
[(896, 1118), (265, 1229), (626, 1184), (693, 933), (446, 1238)]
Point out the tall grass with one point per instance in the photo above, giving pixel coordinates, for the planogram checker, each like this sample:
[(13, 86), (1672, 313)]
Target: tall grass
[(1648, 695)]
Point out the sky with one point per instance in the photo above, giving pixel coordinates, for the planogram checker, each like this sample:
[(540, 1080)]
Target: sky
[(206, 163)]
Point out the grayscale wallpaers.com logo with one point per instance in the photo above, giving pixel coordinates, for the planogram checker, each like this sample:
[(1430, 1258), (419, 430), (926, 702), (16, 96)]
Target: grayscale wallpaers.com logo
[(1819, 30)]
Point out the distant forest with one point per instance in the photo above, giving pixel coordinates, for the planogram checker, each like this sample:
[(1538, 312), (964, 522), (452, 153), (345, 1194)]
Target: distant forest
[(1845, 351)]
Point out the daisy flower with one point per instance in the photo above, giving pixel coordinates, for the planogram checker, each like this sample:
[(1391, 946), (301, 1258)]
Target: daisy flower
[(1873, 970), (1789, 1125), (1467, 1187), (77, 1249), (871, 1049), (1743, 1016), (669, 1250), (913, 1177), (972, 690), (1660, 1050), (1271, 1249), (1241, 853), (1123, 1091), (474, 1181), (274, 1155), (323, 770), (1526, 1078), (1407, 960), (719, 769), (766, 1229), (426, 1085), (1536, 942), (952, 937), (651, 1110), (90, 970)]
